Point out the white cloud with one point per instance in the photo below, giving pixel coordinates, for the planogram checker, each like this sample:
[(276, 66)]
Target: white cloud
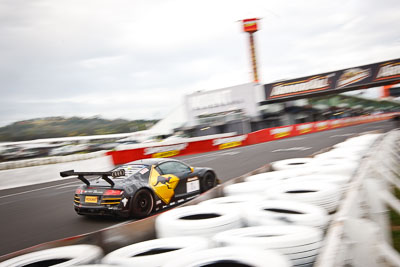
[(137, 59)]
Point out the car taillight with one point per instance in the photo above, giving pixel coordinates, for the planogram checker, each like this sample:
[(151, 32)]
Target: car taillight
[(78, 191), (112, 192)]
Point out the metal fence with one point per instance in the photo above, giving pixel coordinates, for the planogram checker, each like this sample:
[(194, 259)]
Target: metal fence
[(360, 232)]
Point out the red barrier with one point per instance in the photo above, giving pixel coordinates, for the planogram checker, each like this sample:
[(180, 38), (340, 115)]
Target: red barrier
[(261, 136)]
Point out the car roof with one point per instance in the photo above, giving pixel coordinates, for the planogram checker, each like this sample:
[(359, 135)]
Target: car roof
[(151, 161)]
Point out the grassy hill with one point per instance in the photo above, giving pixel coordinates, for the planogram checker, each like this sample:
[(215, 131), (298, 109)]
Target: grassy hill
[(75, 126)]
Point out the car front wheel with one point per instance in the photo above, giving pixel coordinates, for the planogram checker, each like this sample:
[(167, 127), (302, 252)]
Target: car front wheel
[(208, 181)]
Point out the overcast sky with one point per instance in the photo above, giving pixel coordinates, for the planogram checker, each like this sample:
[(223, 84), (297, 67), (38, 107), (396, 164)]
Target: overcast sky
[(136, 59)]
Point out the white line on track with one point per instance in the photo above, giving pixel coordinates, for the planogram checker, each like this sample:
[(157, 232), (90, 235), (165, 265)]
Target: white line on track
[(219, 153), (70, 184), (301, 148), (35, 190), (290, 139), (374, 127), (341, 135), (67, 186)]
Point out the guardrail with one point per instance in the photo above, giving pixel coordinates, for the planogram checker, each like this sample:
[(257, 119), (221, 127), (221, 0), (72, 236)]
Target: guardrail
[(220, 143), (360, 233)]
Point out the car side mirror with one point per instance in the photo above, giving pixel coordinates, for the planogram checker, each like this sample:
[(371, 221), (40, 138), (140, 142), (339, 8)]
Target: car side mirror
[(191, 169)]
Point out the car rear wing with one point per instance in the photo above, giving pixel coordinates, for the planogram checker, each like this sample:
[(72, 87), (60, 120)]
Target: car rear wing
[(104, 175)]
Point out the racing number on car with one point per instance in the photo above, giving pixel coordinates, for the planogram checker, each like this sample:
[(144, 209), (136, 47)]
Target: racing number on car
[(163, 185)]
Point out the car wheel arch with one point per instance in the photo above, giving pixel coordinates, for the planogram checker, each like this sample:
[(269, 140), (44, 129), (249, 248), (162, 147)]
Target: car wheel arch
[(132, 198)]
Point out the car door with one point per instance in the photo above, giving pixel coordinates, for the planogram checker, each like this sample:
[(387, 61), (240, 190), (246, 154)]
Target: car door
[(180, 170)]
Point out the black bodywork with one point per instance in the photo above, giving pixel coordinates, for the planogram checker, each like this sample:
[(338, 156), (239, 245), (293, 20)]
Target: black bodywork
[(139, 188)]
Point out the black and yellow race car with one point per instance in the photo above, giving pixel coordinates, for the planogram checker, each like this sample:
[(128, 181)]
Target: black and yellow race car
[(138, 188)]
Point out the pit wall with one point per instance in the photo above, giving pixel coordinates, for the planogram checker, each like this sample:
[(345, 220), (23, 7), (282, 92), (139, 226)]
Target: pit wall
[(261, 136)]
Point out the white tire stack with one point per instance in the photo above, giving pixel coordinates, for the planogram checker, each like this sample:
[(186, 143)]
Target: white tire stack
[(339, 180), (290, 164), (156, 252), (362, 141), (197, 220), (231, 256), (277, 175), (247, 188), (335, 166), (299, 243), (236, 201), (60, 257), (285, 212), (324, 195), (339, 154)]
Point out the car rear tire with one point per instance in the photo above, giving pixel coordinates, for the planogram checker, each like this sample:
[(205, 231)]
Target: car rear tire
[(209, 181), (142, 204)]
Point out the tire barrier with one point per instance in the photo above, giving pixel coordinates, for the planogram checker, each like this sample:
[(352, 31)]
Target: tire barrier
[(340, 180), (289, 164), (60, 256), (322, 194), (298, 243), (237, 201), (239, 256), (318, 163), (156, 252), (197, 220), (246, 188), (281, 212), (359, 142), (339, 154), (277, 175), (344, 168)]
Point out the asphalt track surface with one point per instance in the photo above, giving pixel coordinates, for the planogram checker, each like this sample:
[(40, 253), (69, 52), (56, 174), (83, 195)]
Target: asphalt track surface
[(35, 214)]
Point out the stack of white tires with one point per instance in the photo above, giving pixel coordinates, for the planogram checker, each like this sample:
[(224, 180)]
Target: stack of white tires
[(300, 244), (60, 256)]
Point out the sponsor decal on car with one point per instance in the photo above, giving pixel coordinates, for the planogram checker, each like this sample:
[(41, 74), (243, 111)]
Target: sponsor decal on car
[(145, 170), (163, 185), (229, 142), (281, 132), (165, 151), (305, 128), (192, 185), (124, 201)]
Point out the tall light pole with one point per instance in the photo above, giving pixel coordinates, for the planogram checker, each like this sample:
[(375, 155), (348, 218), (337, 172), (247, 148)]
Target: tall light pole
[(250, 26)]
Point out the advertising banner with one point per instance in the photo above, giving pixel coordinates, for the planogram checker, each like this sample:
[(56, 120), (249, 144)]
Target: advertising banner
[(230, 142), (304, 128), (361, 77), (281, 132)]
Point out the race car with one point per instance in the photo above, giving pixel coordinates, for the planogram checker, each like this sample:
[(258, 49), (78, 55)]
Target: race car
[(138, 188)]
